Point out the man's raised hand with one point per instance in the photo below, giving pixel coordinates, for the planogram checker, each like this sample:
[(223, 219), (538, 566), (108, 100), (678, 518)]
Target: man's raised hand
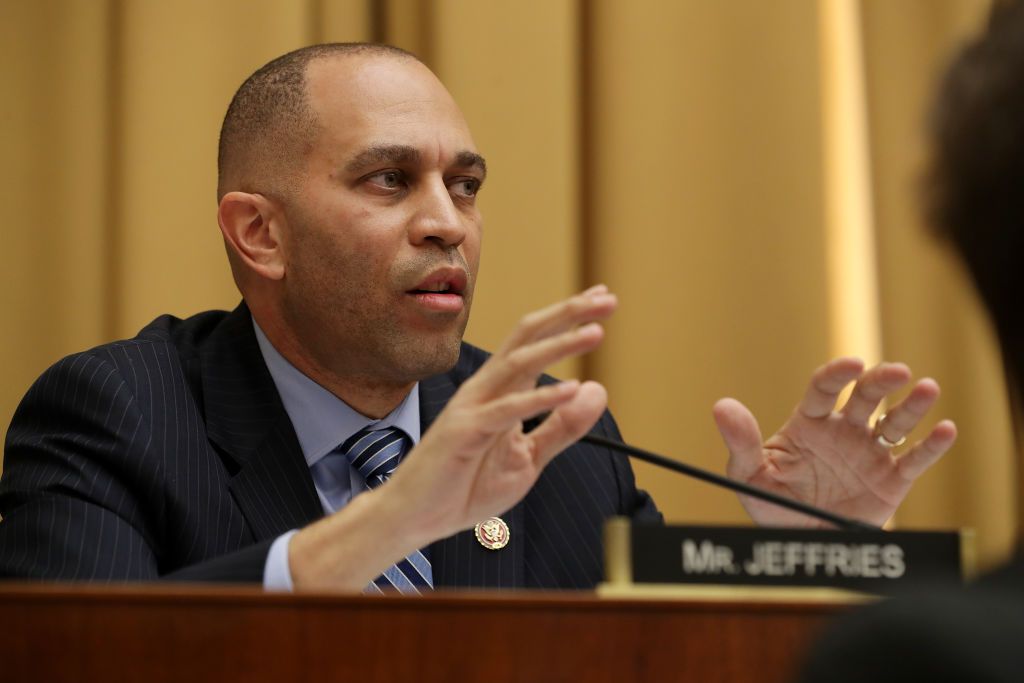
[(836, 459), (475, 461)]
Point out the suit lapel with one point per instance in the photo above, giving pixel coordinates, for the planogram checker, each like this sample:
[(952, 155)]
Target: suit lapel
[(459, 560), (248, 423)]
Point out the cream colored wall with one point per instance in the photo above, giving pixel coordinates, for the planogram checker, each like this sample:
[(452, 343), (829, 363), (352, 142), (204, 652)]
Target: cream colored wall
[(707, 215), (678, 151), (53, 188)]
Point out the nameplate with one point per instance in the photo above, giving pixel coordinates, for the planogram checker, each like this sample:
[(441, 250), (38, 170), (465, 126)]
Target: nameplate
[(869, 561)]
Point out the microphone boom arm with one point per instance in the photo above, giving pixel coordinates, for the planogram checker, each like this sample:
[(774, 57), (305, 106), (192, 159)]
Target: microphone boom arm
[(732, 484)]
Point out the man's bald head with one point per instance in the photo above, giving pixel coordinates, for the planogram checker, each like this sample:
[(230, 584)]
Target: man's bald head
[(270, 124)]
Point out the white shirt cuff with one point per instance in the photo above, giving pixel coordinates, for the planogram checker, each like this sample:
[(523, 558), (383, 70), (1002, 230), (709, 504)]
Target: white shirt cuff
[(277, 574)]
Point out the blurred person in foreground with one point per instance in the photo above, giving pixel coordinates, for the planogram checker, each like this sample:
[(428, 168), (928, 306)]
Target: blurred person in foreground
[(975, 200), (334, 431)]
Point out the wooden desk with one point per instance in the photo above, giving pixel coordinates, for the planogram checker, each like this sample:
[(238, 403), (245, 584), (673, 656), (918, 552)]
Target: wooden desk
[(217, 634)]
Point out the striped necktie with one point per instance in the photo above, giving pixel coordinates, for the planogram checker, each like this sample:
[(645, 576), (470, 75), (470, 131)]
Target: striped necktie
[(375, 454)]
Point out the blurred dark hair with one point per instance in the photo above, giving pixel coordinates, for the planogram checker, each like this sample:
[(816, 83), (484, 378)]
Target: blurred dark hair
[(975, 182)]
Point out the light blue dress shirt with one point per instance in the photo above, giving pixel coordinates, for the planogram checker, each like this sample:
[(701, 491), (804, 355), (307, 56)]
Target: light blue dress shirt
[(322, 422)]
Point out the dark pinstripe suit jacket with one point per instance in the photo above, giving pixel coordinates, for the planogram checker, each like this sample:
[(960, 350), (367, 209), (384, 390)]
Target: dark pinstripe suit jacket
[(170, 455)]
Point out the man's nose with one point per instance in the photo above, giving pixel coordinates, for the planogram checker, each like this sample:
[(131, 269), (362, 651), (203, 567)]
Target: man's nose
[(437, 218)]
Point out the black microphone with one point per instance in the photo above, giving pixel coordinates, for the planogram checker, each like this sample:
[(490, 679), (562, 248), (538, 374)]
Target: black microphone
[(732, 484)]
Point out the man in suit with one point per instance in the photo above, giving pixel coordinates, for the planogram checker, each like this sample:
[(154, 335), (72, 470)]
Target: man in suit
[(231, 446)]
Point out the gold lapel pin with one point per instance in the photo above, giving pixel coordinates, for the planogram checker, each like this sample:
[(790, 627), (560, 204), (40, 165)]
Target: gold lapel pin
[(492, 533)]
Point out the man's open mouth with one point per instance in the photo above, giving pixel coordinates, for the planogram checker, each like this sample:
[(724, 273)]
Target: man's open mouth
[(440, 287), (444, 281)]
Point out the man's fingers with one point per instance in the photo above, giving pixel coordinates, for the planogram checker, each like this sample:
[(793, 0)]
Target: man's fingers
[(508, 411), (922, 456), (826, 384), (742, 437), (522, 366), (901, 419), (872, 387), (542, 338), (593, 304), (568, 422)]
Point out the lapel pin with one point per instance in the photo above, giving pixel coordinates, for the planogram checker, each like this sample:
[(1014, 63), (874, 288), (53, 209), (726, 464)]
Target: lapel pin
[(492, 533)]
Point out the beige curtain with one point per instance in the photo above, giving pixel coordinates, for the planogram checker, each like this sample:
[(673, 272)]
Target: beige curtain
[(741, 173)]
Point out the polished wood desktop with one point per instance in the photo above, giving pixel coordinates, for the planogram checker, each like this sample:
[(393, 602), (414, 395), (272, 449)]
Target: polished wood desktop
[(55, 632)]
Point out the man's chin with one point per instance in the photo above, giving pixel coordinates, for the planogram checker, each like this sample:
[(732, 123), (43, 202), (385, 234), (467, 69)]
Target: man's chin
[(425, 358), (443, 359)]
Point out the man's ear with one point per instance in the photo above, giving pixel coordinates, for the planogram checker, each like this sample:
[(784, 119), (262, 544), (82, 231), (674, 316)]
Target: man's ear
[(249, 223)]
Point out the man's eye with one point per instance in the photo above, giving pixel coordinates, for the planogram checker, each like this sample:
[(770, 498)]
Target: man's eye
[(391, 180), (465, 187)]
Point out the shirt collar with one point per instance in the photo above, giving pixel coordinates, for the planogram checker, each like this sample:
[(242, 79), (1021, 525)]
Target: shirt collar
[(322, 421)]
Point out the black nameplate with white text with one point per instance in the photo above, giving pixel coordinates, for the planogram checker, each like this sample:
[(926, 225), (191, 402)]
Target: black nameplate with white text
[(871, 561)]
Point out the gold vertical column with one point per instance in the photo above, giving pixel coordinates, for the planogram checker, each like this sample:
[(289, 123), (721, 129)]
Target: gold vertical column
[(172, 102), (54, 58), (850, 244)]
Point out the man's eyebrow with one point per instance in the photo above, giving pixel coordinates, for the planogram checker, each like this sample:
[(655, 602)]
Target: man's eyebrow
[(471, 160), (404, 154), (396, 154)]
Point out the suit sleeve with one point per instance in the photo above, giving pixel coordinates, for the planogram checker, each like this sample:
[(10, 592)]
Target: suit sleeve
[(634, 503), (81, 492)]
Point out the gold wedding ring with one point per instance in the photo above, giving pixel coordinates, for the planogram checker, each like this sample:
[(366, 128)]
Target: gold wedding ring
[(881, 438)]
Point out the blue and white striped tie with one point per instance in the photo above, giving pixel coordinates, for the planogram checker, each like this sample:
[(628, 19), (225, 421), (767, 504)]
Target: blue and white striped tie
[(375, 454)]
